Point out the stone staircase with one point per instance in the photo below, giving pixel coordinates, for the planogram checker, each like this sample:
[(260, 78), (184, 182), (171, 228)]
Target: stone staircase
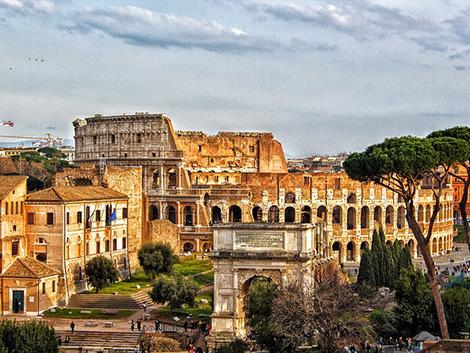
[(142, 297), (103, 301), (99, 341)]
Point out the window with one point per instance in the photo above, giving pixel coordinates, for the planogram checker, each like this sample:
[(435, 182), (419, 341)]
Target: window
[(17, 207), (337, 183), (41, 257), (43, 287), (98, 215), (106, 245), (252, 149), (199, 148), (67, 218), (113, 139), (87, 249), (30, 217), (79, 217), (6, 207), (21, 207), (124, 242), (124, 213), (50, 218), (154, 154), (53, 286), (15, 245), (226, 179), (217, 179), (98, 245), (139, 138), (95, 138), (114, 244)]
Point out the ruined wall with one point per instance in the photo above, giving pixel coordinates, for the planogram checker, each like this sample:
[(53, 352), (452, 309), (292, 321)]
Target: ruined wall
[(87, 173), (128, 180), (237, 151), (163, 231), (124, 139)]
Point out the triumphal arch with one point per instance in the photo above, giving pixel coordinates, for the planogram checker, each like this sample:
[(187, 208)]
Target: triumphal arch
[(243, 251)]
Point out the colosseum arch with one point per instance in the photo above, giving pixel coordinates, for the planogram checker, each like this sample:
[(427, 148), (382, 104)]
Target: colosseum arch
[(378, 215), (337, 249), (322, 213), (401, 217), (389, 213), (351, 218), (352, 198), (171, 214), (365, 214), (216, 214), (289, 215), (235, 213), (364, 246), (337, 215), (350, 251), (257, 213), (273, 214), (188, 216), (153, 213), (306, 215)]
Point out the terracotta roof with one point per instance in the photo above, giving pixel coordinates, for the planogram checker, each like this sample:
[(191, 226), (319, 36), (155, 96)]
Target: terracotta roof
[(8, 183), (75, 193), (29, 268)]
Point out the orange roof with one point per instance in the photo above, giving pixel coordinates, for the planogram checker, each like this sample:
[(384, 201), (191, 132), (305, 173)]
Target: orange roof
[(8, 183), (27, 267), (75, 193)]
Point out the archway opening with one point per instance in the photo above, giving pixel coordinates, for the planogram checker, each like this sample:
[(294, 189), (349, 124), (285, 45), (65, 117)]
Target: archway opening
[(378, 215), (364, 246), (188, 216), (153, 213), (257, 214), (273, 214), (350, 251), (337, 215), (216, 215), (289, 215), (336, 247), (351, 218), (306, 215), (235, 213), (365, 217), (188, 247), (171, 214), (389, 215), (322, 213)]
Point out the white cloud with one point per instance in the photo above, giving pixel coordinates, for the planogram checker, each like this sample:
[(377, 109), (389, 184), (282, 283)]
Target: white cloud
[(143, 27), (28, 6)]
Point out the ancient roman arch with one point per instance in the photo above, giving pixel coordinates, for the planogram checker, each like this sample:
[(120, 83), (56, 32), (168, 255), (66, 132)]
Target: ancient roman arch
[(244, 251)]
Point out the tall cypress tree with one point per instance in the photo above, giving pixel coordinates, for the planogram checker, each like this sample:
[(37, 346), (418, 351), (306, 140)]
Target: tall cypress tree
[(377, 255), (366, 269)]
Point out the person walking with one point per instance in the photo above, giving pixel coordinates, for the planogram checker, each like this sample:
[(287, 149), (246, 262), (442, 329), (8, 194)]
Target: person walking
[(132, 325), (139, 325), (72, 327), (157, 325)]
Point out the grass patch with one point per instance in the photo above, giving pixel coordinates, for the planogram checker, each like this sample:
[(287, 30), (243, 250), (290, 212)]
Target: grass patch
[(460, 238), (128, 286), (201, 311), (95, 314), (204, 279), (185, 268), (192, 267)]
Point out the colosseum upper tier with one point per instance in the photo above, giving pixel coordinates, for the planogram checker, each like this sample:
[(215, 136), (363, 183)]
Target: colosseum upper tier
[(194, 180)]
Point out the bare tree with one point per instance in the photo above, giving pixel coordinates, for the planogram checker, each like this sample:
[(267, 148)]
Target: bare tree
[(328, 314)]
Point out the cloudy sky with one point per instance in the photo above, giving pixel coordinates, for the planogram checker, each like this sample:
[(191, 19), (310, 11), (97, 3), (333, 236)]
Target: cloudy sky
[(323, 76)]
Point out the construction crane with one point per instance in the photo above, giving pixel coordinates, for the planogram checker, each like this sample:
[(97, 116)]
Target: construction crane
[(49, 140), (7, 123)]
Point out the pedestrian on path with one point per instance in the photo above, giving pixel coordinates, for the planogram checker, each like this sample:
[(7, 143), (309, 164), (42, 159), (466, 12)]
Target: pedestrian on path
[(139, 325), (72, 327), (132, 325), (157, 325)]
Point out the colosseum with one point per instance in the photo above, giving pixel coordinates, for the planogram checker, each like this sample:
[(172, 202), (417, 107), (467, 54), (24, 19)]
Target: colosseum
[(191, 180)]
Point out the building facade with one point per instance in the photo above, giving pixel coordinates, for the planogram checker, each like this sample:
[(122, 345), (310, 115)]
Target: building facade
[(195, 180)]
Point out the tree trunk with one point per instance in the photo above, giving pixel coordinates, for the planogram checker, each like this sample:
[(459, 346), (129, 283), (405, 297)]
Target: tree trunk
[(463, 210), (429, 262)]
